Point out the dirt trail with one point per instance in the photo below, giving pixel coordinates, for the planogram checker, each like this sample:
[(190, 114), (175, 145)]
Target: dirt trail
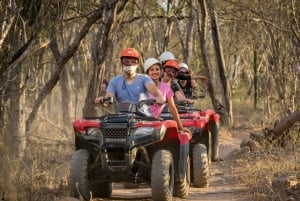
[(224, 176)]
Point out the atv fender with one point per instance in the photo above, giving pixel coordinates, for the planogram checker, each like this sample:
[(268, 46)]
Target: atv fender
[(184, 138), (81, 124), (213, 116)]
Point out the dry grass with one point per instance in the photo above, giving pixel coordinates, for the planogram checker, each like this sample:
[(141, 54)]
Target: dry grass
[(42, 175), (273, 174)]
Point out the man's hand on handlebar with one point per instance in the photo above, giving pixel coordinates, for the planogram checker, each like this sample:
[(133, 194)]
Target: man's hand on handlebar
[(105, 101), (99, 100)]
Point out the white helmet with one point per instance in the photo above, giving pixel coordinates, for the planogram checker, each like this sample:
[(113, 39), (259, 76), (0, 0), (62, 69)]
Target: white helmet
[(183, 65), (166, 56), (149, 62)]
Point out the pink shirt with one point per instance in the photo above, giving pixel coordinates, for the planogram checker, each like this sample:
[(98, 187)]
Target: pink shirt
[(167, 93)]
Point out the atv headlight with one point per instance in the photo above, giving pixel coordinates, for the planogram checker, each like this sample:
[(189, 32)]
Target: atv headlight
[(93, 131), (143, 131), (144, 135)]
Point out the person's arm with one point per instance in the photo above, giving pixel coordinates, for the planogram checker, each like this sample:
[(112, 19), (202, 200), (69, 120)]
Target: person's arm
[(151, 87), (191, 77), (175, 114), (178, 88), (181, 97), (108, 93), (200, 77), (194, 83)]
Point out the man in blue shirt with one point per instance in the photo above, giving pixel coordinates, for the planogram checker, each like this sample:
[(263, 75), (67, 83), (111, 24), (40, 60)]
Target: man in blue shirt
[(128, 87)]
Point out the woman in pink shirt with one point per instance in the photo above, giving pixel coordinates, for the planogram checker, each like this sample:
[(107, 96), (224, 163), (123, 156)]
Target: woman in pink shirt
[(152, 67)]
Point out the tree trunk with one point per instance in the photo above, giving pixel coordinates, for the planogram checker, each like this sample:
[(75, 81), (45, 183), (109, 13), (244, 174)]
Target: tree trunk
[(227, 117), (14, 136), (285, 124), (202, 29), (169, 26), (100, 47), (186, 38), (65, 98)]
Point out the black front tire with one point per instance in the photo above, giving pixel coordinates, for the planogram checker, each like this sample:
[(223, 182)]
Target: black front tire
[(200, 168), (182, 188), (214, 130), (79, 184), (162, 176), (82, 181)]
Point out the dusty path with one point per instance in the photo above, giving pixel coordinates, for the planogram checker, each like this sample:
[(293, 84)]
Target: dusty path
[(224, 177)]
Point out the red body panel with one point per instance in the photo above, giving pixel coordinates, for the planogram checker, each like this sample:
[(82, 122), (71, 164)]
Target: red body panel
[(81, 124), (212, 115), (199, 119), (184, 138), (171, 126), (195, 122), (155, 124)]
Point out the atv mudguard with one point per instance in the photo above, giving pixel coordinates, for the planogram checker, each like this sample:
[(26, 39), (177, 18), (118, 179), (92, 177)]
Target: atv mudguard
[(213, 116), (184, 145), (185, 138), (81, 124)]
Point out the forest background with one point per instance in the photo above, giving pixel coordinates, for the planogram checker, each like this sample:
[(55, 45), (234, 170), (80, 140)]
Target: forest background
[(55, 54)]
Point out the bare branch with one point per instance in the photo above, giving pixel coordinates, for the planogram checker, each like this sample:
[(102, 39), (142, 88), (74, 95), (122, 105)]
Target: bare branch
[(29, 51)]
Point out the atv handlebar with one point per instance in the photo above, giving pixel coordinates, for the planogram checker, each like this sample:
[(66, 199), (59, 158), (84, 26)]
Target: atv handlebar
[(147, 102), (107, 101), (183, 103)]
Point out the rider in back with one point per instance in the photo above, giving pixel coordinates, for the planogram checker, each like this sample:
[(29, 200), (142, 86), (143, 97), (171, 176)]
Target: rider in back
[(152, 67)]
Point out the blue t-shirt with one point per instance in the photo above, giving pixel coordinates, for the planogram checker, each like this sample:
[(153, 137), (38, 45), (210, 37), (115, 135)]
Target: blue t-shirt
[(125, 92)]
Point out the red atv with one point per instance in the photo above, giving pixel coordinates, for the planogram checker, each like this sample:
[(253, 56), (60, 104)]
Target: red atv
[(129, 147), (199, 149), (209, 136)]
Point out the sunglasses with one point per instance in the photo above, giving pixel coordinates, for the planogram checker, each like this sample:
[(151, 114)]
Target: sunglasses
[(170, 70), (129, 61)]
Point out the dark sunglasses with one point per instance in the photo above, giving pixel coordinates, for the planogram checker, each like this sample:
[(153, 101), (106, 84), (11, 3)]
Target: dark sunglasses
[(170, 70), (129, 61)]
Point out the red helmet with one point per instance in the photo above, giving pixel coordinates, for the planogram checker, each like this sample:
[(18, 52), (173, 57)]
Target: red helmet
[(172, 64), (130, 52)]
